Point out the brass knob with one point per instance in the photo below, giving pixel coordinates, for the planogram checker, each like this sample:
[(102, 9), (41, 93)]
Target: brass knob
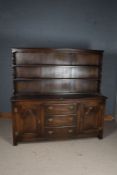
[(87, 113), (50, 107), (90, 108), (15, 110), (50, 119), (50, 132), (70, 131), (71, 107), (16, 133)]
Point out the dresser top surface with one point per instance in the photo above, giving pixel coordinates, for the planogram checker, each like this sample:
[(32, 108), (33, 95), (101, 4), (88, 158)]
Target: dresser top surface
[(69, 50), (56, 96)]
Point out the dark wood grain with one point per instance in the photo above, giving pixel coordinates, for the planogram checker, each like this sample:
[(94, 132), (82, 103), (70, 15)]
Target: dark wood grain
[(60, 120), (56, 94), (57, 72), (57, 86), (57, 58)]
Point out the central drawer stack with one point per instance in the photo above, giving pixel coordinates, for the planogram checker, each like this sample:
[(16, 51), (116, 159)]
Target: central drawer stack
[(60, 120)]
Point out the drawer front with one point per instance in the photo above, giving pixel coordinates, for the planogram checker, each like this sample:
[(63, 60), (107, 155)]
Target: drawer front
[(60, 120), (60, 133), (60, 108), (91, 103)]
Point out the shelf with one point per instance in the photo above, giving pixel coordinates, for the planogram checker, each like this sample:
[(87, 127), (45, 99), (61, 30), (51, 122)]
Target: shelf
[(36, 79), (55, 65), (57, 73)]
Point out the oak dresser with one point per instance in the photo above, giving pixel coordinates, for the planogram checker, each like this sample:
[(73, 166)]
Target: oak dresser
[(56, 94)]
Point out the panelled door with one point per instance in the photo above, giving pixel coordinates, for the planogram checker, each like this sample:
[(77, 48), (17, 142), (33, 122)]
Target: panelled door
[(27, 119), (91, 116)]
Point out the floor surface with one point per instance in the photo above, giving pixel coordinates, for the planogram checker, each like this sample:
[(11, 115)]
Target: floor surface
[(73, 157)]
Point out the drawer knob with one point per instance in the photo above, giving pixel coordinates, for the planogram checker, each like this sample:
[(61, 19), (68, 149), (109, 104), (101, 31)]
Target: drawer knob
[(50, 107), (16, 133), (50, 119), (70, 131), (50, 132), (15, 110), (90, 108), (71, 107)]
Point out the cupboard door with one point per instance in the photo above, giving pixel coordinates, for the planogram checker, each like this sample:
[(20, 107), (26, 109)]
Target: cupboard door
[(27, 119), (91, 116)]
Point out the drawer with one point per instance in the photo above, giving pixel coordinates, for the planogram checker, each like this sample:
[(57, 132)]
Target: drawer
[(60, 133), (61, 108), (92, 102), (60, 120)]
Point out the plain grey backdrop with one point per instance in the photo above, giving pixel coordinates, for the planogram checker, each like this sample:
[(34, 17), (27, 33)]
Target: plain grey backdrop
[(90, 24)]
